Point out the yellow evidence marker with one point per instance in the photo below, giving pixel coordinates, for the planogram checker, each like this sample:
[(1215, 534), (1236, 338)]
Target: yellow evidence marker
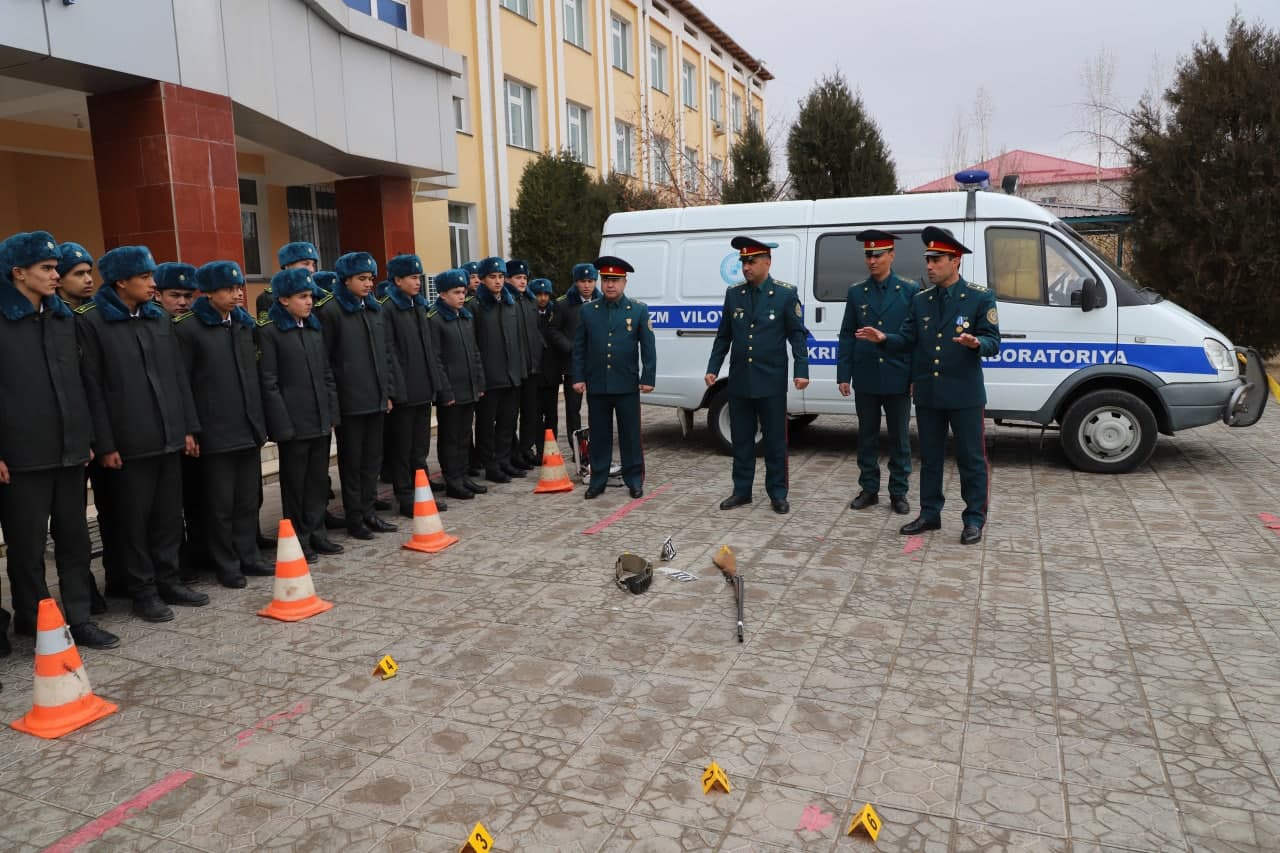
[(713, 776), (479, 841), (868, 820), (386, 668)]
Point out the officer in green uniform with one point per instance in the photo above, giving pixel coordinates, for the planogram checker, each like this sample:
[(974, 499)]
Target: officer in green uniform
[(299, 255), (614, 361), (878, 380), (760, 318), (951, 327)]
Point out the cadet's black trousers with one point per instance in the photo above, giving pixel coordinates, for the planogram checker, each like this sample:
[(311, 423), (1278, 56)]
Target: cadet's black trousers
[(359, 461), (231, 497), (194, 554), (27, 505), (453, 443), (572, 408), (148, 510), (409, 437), (104, 502), (495, 424), (529, 436), (304, 486), (601, 410), (550, 410)]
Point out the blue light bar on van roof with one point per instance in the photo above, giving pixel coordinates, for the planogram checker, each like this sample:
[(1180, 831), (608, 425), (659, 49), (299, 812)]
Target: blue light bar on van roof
[(974, 179)]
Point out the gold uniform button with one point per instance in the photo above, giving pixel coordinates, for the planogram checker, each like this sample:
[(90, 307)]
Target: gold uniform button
[(748, 361), (882, 361), (939, 334), (881, 323), (935, 361), (938, 349), (935, 373)]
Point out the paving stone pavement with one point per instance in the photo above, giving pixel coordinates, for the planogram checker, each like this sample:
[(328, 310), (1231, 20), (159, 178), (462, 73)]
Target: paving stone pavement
[(1101, 674)]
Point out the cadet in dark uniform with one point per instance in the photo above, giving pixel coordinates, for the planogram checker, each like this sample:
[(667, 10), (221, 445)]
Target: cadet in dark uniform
[(45, 431), (760, 318), (300, 401), (878, 379), (549, 375), (951, 327), (359, 347), (175, 287), (75, 274), (417, 377), (614, 361), (472, 269), (299, 255), (563, 327), (528, 418), (498, 325), (216, 338), (462, 382), (144, 419)]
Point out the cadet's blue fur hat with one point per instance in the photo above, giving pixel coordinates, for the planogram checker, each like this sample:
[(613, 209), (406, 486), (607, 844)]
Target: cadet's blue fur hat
[(174, 275), (585, 271), (471, 268), (492, 265), (515, 267), (291, 253), (540, 285), (353, 263), (289, 282), (125, 262), (72, 255), (219, 275), (451, 280), (26, 248), (325, 280), (404, 265)]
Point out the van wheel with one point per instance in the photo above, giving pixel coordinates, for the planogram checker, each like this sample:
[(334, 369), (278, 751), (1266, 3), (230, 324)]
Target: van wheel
[(1108, 432), (718, 423)]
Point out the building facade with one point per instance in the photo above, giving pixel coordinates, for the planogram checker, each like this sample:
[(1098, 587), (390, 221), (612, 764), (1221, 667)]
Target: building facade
[(655, 91)]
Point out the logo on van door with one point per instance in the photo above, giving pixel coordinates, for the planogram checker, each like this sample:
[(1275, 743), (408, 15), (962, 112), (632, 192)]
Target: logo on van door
[(731, 269)]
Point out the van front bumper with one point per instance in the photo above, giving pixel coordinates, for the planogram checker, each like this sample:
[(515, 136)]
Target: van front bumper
[(1193, 404)]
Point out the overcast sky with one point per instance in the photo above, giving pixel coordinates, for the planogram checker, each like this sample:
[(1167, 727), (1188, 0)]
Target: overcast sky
[(918, 61)]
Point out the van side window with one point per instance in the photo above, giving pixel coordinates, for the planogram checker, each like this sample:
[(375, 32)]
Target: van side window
[(839, 262), (1034, 267), (1065, 273)]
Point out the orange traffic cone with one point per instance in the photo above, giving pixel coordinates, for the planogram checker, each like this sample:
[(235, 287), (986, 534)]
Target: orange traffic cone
[(428, 533), (63, 700), (294, 597), (551, 476)]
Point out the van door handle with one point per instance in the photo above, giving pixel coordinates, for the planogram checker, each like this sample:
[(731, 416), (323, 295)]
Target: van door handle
[(817, 314), (1012, 336)]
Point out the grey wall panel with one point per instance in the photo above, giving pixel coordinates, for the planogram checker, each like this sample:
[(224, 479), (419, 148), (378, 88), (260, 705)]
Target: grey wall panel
[(250, 68), (133, 36), (366, 83), (23, 25), (326, 76), (416, 113), (445, 130), (291, 56), (202, 58)]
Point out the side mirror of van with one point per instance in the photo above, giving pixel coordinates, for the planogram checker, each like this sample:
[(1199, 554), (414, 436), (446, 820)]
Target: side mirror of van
[(1090, 295)]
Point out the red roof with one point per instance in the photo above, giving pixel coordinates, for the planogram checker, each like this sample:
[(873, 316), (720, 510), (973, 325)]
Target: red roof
[(1032, 169)]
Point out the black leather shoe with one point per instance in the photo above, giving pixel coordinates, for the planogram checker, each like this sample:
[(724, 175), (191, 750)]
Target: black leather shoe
[(899, 504), (406, 511), (735, 500), (436, 485), (23, 629), (326, 546), (232, 580), (5, 648), (97, 604), (474, 486), (971, 535), (474, 471), (380, 505), (593, 493), (496, 475), (636, 492), (920, 525), (514, 472), (266, 543), (310, 556), (864, 500), (780, 505), (333, 521), (459, 492), (522, 463), (379, 525), (359, 531), (90, 636), (257, 570), (183, 596), (152, 609), (441, 506)]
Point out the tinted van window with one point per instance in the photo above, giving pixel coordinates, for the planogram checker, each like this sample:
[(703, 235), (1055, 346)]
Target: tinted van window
[(839, 262)]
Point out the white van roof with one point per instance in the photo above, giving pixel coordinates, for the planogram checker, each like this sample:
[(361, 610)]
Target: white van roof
[(866, 211)]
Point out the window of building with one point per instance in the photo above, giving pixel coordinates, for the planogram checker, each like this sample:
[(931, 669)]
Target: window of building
[(716, 176), (691, 177), (523, 8), (313, 217), (689, 84), (579, 124), (520, 110), (662, 161), (736, 109), (715, 100), (459, 114), (658, 65), (249, 233), (839, 262), (624, 140), (575, 26), (459, 233), (393, 12), (621, 44), (755, 117)]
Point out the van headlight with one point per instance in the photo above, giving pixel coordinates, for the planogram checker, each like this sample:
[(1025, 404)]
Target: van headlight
[(1219, 356)]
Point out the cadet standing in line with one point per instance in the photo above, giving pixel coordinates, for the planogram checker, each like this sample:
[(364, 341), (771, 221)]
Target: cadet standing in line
[(75, 274), (417, 376), (951, 327), (878, 380), (549, 375), (144, 419), (45, 432), (615, 360), (462, 382), (300, 401), (563, 327), (297, 255), (759, 319), (360, 356), (216, 338), (472, 269), (322, 282), (498, 324), (527, 417), (175, 285)]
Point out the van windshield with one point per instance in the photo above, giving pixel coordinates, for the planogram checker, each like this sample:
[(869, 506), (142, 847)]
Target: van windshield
[(1119, 278)]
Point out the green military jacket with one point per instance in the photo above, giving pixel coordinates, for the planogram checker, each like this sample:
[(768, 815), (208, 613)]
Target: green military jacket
[(870, 368), (613, 348), (754, 332)]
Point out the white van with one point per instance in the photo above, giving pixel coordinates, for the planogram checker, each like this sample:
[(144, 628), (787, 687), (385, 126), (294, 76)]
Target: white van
[(1083, 347)]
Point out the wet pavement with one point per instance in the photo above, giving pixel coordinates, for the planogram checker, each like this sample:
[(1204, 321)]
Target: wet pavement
[(1102, 673)]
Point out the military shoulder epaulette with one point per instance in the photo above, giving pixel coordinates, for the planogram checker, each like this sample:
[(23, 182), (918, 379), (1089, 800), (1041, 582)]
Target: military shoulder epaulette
[(562, 297), (925, 290), (268, 290), (433, 312), (324, 300), (86, 308), (184, 315), (977, 286), (383, 300), (263, 320), (781, 283)]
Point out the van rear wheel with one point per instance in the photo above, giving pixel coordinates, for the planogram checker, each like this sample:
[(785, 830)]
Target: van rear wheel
[(718, 423), (1108, 432)]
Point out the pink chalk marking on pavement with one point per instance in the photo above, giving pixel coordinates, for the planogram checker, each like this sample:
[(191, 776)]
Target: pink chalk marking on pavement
[(814, 819), (95, 829), (602, 524), (914, 543), (268, 723)]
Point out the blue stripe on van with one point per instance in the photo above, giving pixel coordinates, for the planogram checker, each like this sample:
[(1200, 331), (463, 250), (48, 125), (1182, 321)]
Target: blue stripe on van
[(1065, 355)]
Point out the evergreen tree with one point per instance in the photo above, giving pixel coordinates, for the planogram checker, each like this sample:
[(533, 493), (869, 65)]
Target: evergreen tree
[(835, 149), (1204, 189), (557, 219), (751, 165)]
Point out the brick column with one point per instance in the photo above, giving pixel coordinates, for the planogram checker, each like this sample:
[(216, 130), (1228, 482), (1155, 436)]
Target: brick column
[(165, 158), (375, 215)]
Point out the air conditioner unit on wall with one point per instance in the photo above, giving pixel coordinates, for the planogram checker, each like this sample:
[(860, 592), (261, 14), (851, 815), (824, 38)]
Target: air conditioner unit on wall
[(718, 127)]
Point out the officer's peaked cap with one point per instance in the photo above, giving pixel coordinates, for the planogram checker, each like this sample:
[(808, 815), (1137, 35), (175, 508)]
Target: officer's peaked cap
[(611, 267), (940, 241), (748, 246)]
